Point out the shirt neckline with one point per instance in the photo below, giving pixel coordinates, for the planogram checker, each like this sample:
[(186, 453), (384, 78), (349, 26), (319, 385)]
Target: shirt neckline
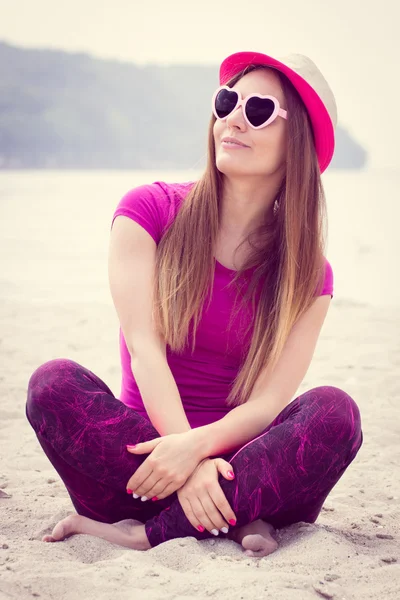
[(232, 271)]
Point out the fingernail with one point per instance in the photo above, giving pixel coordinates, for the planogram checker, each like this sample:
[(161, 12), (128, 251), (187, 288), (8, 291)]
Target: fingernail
[(134, 446), (144, 498), (232, 521), (200, 528), (128, 491), (224, 529), (155, 498), (230, 474), (215, 531), (135, 495)]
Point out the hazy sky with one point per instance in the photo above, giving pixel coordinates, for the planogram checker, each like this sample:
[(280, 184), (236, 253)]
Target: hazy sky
[(353, 42)]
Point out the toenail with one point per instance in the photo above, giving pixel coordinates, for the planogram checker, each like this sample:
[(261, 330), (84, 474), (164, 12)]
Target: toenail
[(224, 529), (232, 521), (144, 498), (214, 531)]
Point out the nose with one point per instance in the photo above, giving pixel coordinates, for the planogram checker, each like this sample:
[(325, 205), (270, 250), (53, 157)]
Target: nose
[(236, 118)]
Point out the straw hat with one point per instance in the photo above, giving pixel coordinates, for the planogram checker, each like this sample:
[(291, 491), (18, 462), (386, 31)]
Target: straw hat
[(311, 86)]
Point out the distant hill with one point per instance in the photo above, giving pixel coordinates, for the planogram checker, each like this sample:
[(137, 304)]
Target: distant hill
[(63, 110)]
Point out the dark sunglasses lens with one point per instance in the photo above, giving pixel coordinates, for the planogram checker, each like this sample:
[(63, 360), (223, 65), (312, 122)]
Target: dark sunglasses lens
[(225, 102), (259, 110)]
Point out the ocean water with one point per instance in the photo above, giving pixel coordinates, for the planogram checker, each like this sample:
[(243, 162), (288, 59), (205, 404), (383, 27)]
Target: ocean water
[(54, 232)]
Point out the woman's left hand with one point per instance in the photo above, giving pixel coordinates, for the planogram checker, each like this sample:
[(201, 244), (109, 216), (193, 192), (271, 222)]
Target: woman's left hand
[(202, 499), (172, 460)]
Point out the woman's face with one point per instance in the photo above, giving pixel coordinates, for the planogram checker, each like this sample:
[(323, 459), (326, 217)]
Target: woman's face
[(265, 153)]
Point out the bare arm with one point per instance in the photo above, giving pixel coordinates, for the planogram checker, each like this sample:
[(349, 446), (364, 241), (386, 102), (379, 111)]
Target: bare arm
[(271, 392), (131, 268)]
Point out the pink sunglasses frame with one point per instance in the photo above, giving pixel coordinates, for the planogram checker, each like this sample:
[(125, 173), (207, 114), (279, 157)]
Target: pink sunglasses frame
[(278, 111)]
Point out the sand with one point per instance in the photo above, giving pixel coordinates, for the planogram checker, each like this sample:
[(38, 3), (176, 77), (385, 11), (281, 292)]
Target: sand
[(351, 552)]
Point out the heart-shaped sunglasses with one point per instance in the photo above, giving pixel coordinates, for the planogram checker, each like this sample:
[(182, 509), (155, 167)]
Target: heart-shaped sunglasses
[(259, 111)]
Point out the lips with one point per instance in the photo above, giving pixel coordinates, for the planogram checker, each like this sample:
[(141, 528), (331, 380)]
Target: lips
[(234, 141)]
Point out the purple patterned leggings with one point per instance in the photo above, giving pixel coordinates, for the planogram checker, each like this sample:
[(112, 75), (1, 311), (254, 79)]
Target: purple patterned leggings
[(282, 476)]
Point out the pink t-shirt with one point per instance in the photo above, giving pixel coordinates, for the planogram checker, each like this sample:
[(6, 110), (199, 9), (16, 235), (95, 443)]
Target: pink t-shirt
[(204, 377)]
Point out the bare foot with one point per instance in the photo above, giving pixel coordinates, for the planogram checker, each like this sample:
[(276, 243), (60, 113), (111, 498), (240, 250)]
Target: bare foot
[(129, 532), (256, 538)]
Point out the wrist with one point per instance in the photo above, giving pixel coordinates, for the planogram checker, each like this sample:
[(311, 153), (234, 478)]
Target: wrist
[(198, 437)]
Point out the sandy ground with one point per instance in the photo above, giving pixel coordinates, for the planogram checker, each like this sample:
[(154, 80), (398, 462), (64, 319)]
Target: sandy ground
[(351, 552)]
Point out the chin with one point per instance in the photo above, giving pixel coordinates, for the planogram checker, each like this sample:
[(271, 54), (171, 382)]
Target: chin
[(230, 171), (230, 165)]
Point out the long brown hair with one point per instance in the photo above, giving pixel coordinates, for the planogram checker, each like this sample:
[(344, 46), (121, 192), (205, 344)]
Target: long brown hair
[(289, 261)]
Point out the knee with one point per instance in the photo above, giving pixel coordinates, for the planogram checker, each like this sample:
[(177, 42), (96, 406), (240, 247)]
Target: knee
[(340, 416), (46, 383)]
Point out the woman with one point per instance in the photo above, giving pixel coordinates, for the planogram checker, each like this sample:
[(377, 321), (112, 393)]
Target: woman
[(221, 288)]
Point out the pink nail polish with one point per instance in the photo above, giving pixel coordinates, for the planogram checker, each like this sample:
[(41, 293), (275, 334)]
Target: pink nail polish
[(129, 446), (155, 498), (128, 491), (200, 528), (232, 521), (230, 474)]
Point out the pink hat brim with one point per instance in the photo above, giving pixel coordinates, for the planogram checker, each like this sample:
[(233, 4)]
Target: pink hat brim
[(322, 124)]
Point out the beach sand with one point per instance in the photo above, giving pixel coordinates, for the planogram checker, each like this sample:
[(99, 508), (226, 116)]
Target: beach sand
[(351, 552)]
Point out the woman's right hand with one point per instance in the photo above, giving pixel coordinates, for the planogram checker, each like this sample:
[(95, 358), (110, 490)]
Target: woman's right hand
[(202, 499)]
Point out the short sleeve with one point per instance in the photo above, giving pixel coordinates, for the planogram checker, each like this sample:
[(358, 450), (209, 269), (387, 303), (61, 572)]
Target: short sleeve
[(149, 206), (328, 283)]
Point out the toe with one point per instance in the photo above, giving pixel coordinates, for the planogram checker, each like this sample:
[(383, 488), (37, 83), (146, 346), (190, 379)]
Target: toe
[(257, 545)]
